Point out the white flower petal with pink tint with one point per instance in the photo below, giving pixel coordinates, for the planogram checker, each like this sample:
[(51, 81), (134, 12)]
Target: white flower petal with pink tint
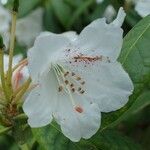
[(77, 78)]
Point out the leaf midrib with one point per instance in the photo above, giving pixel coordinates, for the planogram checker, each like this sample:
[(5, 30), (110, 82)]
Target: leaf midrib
[(130, 49)]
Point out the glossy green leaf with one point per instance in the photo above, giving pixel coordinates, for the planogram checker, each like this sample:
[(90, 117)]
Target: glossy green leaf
[(79, 12), (62, 11), (50, 21), (50, 137), (141, 102), (26, 6)]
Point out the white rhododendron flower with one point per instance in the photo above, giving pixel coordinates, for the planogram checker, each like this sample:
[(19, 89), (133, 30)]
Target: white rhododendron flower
[(29, 27), (77, 78), (143, 7)]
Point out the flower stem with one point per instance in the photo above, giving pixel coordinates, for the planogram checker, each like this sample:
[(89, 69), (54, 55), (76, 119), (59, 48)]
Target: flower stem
[(11, 51), (2, 74)]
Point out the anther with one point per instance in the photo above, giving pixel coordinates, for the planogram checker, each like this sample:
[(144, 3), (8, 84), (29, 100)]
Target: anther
[(78, 78), (83, 82), (73, 90), (79, 109), (71, 85), (66, 73), (82, 91), (73, 74), (79, 89), (66, 81), (60, 88)]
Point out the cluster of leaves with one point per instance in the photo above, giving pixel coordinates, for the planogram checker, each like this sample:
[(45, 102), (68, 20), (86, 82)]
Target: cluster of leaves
[(63, 15)]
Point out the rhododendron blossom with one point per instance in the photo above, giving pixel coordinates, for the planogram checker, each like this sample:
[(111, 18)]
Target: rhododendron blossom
[(77, 78)]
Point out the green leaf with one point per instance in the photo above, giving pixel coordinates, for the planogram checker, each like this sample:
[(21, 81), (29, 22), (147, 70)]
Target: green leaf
[(62, 11), (50, 137), (141, 102), (26, 6), (135, 58), (50, 21), (21, 131), (132, 17), (78, 12)]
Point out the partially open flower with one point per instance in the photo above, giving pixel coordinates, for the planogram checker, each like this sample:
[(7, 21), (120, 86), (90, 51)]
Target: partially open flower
[(77, 78), (20, 74)]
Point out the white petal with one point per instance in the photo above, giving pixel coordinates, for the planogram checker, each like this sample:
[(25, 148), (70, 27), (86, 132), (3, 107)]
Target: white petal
[(143, 7), (41, 102), (29, 27), (76, 124), (40, 56), (71, 35), (101, 38), (106, 84), (90, 118), (120, 18), (67, 119)]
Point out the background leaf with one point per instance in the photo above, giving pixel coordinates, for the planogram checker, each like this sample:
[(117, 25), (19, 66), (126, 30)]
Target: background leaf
[(50, 137)]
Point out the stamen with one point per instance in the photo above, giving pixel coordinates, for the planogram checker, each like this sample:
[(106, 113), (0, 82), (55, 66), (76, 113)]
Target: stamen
[(60, 88), (73, 90), (79, 109), (82, 92), (66, 74), (66, 82), (83, 82), (71, 85), (72, 73), (79, 89), (78, 78)]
